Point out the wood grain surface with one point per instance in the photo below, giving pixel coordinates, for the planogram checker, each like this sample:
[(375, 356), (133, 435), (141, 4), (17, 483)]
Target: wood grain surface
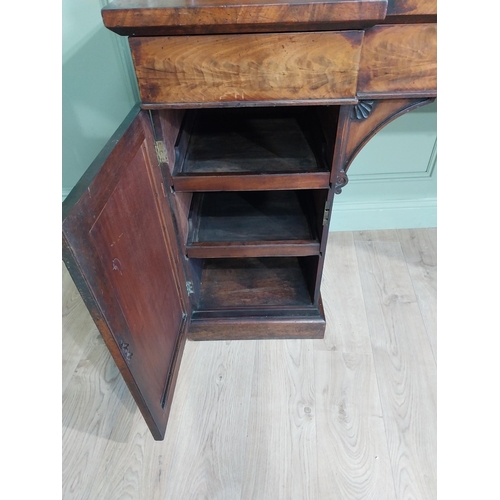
[(406, 8), (253, 140), (259, 327), (383, 112), (254, 224), (404, 362), (357, 132), (354, 450), (252, 182), (245, 68), (399, 60), (253, 282), (283, 390), (169, 17), (420, 253), (118, 249), (351, 416)]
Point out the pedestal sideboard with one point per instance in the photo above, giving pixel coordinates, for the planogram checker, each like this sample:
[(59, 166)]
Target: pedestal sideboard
[(206, 215)]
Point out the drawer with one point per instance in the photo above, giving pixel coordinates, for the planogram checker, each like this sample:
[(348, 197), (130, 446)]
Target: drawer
[(399, 61), (251, 68)]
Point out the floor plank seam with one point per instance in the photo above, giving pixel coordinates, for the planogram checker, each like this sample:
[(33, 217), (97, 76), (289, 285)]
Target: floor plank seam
[(428, 334)]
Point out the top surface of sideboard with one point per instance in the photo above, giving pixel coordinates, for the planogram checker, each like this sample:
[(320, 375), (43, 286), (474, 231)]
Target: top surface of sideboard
[(171, 17)]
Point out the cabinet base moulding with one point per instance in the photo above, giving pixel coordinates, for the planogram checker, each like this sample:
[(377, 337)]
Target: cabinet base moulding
[(257, 328)]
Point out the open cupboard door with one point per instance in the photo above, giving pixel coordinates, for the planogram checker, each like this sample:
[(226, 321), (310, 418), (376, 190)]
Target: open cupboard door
[(120, 246)]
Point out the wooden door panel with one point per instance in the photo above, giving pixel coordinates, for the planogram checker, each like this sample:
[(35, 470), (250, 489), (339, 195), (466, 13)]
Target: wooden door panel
[(121, 250)]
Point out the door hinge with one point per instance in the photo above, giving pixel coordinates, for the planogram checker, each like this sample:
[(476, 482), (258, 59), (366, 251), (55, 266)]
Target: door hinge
[(125, 350), (326, 214), (161, 152), (189, 287)]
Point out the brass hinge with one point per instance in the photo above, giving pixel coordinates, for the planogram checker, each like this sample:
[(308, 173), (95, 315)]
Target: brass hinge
[(161, 152), (189, 287), (326, 214)]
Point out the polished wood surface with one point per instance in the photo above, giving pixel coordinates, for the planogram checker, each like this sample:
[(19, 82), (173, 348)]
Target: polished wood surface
[(252, 182), (175, 17), (258, 327), (349, 416), (412, 9), (359, 123), (219, 69), (252, 224), (251, 140), (399, 61), (122, 259), (253, 282), (251, 149)]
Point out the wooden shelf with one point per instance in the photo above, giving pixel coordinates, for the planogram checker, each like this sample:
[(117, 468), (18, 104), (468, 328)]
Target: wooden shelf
[(254, 283), (252, 224), (250, 149)]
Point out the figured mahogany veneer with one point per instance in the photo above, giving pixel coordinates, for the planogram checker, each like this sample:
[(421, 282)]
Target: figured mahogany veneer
[(411, 11), (399, 61), (257, 68), (182, 17), (206, 216)]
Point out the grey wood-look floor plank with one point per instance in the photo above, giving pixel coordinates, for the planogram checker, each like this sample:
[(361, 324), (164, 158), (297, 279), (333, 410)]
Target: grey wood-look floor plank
[(281, 449), (404, 363), (77, 328), (353, 459), (347, 329), (133, 465), (351, 416), (90, 405), (420, 251), (208, 435)]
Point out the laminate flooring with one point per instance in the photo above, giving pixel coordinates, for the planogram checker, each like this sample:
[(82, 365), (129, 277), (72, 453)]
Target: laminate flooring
[(351, 416)]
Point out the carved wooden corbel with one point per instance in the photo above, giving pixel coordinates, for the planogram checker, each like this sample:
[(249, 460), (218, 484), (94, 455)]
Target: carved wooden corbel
[(358, 124)]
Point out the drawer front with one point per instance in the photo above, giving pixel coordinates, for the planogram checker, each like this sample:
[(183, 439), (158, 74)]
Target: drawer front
[(253, 68), (399, 61)]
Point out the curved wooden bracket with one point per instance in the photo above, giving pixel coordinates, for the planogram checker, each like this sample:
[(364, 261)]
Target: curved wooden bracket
[(358, 124)]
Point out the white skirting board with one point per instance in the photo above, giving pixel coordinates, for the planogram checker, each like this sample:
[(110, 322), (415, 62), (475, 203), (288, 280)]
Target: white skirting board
[(394, 214)]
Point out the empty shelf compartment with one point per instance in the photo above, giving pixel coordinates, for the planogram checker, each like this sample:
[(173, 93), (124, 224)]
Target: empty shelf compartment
[(258, 223), (254, 282), (218, 146)]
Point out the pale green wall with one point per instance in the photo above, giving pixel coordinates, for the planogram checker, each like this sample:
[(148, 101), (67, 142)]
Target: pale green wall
[(98, 90), (392, 182)]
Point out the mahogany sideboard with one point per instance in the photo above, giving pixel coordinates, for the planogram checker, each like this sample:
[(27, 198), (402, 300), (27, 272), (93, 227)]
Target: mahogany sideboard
[(206, 215)]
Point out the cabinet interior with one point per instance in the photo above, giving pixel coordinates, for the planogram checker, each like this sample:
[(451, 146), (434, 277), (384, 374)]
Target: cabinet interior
[(226, 148), (265, 282), (253, 223), (248, 248)]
